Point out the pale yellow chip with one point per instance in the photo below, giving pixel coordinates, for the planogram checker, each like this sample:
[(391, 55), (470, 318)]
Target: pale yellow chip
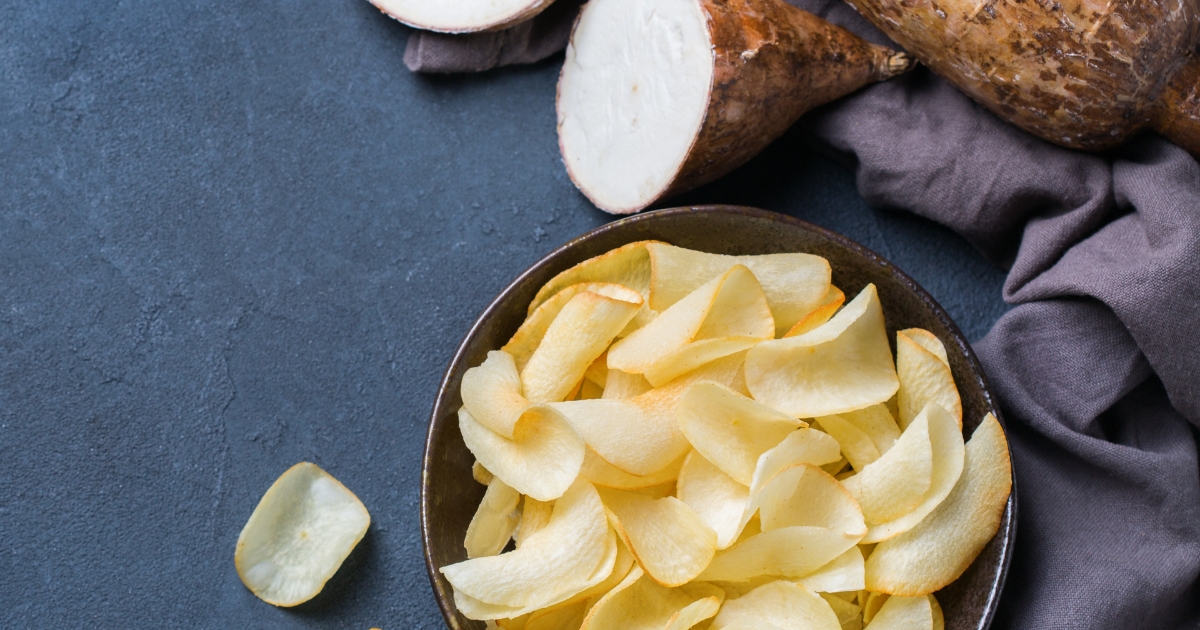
[(589, 390), (579, 334), (939, 619), (781, 604), (858, 447), (718, 499), (575, 547), (534, 516), (621, 567), (806, 495), (628, 265), (938, 549), (623, 385), (639, 603), (602, 473), (597, 372), (491, 391), (666, 536), (794, 284), (878, 423), (541, 460), (529, 336), (298, 535), (947, 443), (833, 300), (557, 618), (494, 522), (842, 365), (873, 602), (896, 483), (843, 574), (927, 340), (903, 613), (849, 614), (724, 316), (924, 378), (731, 430), (481, 474)]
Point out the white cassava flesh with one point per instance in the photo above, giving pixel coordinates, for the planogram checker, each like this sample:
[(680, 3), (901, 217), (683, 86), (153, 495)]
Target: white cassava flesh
[(298, 535), (461, 16)]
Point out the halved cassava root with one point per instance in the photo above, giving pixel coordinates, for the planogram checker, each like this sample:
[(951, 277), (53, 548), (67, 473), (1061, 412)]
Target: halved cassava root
[(462, 16), (656, 98)]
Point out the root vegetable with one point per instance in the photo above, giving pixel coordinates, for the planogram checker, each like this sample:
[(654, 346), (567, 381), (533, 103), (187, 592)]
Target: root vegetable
[(462, 16), (1084, 74), (660, 96)]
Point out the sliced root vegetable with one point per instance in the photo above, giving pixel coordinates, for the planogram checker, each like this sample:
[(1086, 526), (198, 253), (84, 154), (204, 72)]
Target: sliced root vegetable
[(602, 473), (628, 266), (843, 365), (787, 552), (806, 446), (556, 562), (849, 614), (806, 495), (578, 335), (461, 16), (541, 460), (896, 483), (481, 474), (621, 567), (666, 536), (903, 613), (535, 515), (939, 619), (597, 372), (843, 574), (781, 604), (725, 315), (639, 603), (731, 430), (857, 446), (298, 535), (794, 284), (924, 378), (946, 440), (656, 98), (937, 550), (620, 385), (878, 423), (927, 340), (873, 602), (494, 522), (718, 499), (557, 618), (529, 336), (491, 392), (833, 300)]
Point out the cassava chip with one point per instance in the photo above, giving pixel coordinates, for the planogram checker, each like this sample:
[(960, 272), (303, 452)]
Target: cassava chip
[(858, 447), (938, 549), (717, 498), (794, 284), (541, 460), (529, 336), (896, 483), (628, 265), (495, 519), (577, 336), (806, 495), (731, 430), (833, 300), (927, 340), (602, 473), (878, 423), (666, 536), (620, 385), (491, 391), (788, 552), (534, 516), (481, 474), (781, 604), (842, 365), (298, 535), (939, 619), (726, 315), (843, 574), (903, 613), (639, 603), (849, 614), (946, 440), (924, 378)]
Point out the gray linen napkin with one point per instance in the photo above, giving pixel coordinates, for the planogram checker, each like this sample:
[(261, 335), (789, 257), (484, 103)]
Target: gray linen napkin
[(1096, 366)]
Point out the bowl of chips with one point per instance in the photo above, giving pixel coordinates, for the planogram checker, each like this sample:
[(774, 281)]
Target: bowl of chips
[(716, 417)]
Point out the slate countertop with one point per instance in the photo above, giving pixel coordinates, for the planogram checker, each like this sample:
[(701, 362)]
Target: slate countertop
[(236, 236)]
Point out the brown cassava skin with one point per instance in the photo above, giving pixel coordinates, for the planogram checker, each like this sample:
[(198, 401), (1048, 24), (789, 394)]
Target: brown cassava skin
[(1084, 74)]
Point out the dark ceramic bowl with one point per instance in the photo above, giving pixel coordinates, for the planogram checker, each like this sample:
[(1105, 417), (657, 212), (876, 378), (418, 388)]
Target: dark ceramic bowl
[(449, 495)]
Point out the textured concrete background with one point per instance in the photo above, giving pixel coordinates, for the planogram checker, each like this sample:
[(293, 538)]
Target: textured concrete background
[(235, 236)]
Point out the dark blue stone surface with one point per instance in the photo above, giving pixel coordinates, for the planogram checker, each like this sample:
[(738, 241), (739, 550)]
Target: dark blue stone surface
[(235, 236)]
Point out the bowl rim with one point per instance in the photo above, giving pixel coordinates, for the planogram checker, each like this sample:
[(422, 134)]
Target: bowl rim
[(1008, 517)]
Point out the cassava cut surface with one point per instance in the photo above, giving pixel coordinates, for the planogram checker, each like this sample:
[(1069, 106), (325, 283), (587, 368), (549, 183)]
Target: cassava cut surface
[(1084, 74), (461, 16), (660, 96)]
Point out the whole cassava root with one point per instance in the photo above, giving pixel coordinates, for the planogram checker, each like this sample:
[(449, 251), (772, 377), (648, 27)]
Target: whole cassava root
[(660, 96), (1083, 74), (461, 16)]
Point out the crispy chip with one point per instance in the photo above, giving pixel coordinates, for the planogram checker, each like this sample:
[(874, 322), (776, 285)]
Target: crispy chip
[(557, 618), (781, 604), (857, 446), (874, 601), (541, 460), (927, 340), (924, 378), (534, 516), (806, 495), (849, 615), (717, 498), (602, 473), (529, 336), (896, 483), (842, 574), (628, 266), (731, 430), (577, 337), (947, 443), (623, 385), (298, 535), (843, 365), (878, 423), (589, 390), (939, 619), (903, 613), (665, 536), (621, 568), (726, 315), (491, 391), (495, 519), (794, 284), (597, 372), (639, 603), (833, 300), (481, 474), (938, 549)]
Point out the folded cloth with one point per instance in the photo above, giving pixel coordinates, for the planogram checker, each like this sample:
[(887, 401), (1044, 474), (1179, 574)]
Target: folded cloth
[(1096, 366)]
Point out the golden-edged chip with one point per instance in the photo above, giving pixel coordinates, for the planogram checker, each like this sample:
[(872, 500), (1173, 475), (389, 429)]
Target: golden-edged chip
[(903, 613), (833, 300), (924, 378), (896, 483), (718, 499), (639, 603), (529, 336), (298, 535), (731, 430), (842, 365), (794, 284), (937, 550), (541, 460), (784, 605), (628, 265), (666, 536), (494, 522)]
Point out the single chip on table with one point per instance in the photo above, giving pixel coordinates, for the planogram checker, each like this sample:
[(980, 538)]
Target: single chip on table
[(298, 535)]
